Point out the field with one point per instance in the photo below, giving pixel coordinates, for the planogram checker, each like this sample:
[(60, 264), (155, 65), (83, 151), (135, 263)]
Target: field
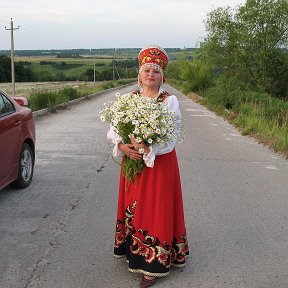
[(66, 70), (25, 89), (75, 68), (68, 66)]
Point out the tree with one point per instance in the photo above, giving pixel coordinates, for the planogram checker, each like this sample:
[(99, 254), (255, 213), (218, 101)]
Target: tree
[(251, 43), (44, 76), (5, 69), (191, 71), (22, 74)]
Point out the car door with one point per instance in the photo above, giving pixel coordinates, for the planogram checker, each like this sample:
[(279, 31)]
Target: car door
[(10, 131)]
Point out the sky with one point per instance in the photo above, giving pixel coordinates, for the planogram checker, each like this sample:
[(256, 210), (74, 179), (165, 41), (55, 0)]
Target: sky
[(67, 24)]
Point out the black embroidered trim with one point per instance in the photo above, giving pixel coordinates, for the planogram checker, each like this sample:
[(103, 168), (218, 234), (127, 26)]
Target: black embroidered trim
[(145, 252)]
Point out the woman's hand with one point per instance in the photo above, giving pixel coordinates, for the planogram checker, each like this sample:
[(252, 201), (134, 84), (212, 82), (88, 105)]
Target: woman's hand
[(137, 145), (128, 150)]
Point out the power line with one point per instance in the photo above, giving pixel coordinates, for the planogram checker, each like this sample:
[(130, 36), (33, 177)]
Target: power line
[(39, 35), (31, 32)]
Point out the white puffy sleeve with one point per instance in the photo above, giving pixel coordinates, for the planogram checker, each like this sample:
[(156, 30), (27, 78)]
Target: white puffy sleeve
[(172, 105), (116, 139)]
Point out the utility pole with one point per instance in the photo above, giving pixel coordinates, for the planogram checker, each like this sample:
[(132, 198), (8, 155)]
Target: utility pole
[(117, 72), (12, 55), (113, 70), (94, 70)]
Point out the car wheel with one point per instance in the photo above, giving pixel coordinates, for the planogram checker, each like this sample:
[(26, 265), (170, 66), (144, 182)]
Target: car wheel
[(26, 167)]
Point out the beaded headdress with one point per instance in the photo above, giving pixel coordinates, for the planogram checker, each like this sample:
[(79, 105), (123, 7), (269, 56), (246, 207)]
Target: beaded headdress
[(153, 57)]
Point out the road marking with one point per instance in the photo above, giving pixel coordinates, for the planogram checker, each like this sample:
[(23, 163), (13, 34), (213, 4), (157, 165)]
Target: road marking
[(193, 109), (272, 167), (235, 135), (198, 115)]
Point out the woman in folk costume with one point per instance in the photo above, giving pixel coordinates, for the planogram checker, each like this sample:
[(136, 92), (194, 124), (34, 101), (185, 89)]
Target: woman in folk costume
[(150, 230)]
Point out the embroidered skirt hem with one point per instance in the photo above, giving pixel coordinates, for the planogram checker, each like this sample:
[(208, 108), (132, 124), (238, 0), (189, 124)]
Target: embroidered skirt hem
[(150, 228)]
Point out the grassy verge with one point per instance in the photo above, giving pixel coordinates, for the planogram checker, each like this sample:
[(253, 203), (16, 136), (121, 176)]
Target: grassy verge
[(254, 113), (52, 99), (25, 89)]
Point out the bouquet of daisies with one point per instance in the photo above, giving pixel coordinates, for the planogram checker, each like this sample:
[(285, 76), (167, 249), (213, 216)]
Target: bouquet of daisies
[(144, 118)]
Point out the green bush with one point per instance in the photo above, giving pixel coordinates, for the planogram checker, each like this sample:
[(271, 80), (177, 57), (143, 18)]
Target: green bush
[(108, 85), (48, 99), (55, 100), (40, 100), (69, 92)]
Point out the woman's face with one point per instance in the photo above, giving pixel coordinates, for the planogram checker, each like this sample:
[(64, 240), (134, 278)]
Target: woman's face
[(150, 77)]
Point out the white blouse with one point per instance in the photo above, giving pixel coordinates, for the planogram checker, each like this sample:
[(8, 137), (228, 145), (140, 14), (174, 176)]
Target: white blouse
[(173, 105)]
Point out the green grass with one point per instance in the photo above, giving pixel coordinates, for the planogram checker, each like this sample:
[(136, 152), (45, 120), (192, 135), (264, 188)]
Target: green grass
[(26, 88), (254, 113), (273, 131), (52, 99)]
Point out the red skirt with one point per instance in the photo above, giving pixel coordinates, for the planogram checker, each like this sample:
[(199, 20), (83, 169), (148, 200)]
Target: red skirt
[(150, 229)]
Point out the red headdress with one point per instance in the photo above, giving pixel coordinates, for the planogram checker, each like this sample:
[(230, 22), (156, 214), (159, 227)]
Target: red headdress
[(153, 56)]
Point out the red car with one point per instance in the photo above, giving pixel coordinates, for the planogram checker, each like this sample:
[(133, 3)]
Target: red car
[(17, 142)]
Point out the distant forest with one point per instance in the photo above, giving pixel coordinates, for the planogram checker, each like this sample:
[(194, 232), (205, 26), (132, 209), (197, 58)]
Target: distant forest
[(78, 52)]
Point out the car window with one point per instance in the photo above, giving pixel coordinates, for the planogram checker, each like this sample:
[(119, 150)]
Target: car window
[(5, 105)]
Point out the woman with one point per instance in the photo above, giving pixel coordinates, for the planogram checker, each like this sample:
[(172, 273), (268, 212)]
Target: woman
[(150, 230)]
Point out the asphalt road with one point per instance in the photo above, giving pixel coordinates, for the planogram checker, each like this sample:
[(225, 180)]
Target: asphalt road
[(59, 232)]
